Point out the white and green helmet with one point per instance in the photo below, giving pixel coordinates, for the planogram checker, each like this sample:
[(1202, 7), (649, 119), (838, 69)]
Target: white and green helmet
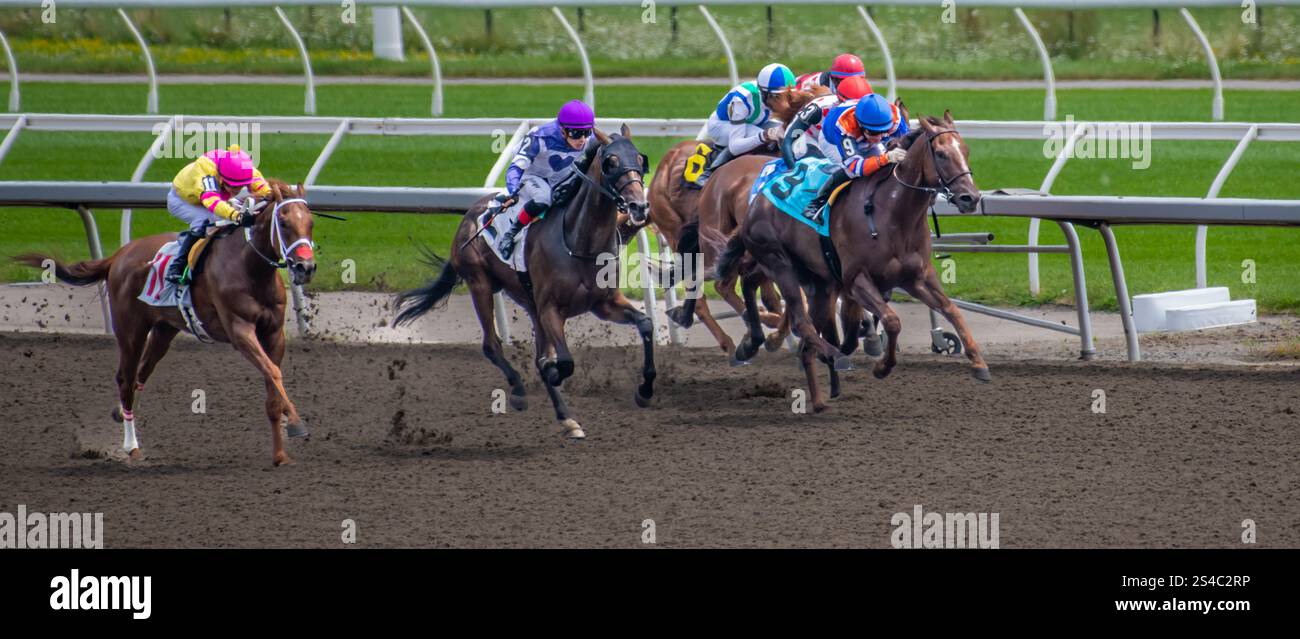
[(775, 77)]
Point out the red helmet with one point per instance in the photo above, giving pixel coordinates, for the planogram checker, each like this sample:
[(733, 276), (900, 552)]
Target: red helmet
[(852, 88), (847, 65)]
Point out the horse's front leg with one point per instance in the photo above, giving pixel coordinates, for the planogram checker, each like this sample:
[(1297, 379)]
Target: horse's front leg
[(244, 337), (619, 310), (864, 292), (930, 292), (547, 367)]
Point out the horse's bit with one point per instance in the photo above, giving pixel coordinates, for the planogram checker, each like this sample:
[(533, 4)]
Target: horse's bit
[(277, 236)]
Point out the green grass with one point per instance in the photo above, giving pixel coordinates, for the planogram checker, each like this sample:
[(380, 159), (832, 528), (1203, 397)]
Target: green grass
[(1157, 258), (982, 42)]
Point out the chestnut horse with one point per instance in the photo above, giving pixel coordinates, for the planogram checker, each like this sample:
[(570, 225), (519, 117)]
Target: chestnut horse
[(789, 252), (674, 204), (568, 254), (238, 296)]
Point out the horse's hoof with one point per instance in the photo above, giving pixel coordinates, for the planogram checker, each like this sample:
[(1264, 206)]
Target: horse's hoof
[(843, 363), (981, 374), (773, 343), (135, 455), (518, 402), (819, 408), (880, 372), (296, 430), (680, 317), (117, 414), (573, 430), (281, 460), (737, 363), (641, 400), (871, 346)]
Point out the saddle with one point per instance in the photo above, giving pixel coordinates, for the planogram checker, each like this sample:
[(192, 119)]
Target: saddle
[(199, 251)]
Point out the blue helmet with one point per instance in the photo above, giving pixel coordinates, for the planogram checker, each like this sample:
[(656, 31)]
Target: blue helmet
[(775, 77), (875, 114)]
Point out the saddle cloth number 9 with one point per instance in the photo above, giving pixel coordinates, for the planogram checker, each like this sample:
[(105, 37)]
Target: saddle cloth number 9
[(696, 163)]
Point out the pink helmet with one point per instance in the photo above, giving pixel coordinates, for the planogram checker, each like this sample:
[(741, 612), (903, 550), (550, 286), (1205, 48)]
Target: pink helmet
[(233, 165)]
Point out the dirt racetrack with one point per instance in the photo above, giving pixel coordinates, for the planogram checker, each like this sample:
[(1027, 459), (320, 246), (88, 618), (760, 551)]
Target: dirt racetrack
[(405, 444)]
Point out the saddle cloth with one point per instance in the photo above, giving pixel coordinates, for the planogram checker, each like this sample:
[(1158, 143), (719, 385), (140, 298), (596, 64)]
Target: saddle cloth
[(157, 290), (699, 159), (500, 221), (791, 191)]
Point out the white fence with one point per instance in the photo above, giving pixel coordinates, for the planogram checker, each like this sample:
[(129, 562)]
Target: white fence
[(1097, 211)]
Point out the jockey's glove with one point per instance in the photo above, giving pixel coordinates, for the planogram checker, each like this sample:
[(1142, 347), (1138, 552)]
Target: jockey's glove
[(773, 135), (895, 155), (244, 219)]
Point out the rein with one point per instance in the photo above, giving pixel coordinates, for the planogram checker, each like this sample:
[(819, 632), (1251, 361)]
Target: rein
[(601, 187), (944, 185), (277, 236)]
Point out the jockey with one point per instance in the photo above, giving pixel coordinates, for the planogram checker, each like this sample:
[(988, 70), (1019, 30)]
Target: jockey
[(544, 161), (201, 194), (845, 65), (854, 135), (742, 120), (801, 136)]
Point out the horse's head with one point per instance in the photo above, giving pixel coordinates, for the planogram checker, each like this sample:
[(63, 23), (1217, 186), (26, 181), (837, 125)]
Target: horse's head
[(944, 161), (286, 224), (622, 170), (786, 103)]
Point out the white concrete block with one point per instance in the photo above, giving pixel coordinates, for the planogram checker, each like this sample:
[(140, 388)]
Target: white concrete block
[(1190, 318), (1149, 310)]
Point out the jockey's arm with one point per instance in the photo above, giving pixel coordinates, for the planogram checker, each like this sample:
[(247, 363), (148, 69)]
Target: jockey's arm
[(211, 198), (807, 117), (258, 186), (859, 162), (522, 160)]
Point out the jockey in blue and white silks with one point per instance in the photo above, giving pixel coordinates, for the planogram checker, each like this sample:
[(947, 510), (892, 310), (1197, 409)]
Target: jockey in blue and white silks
[(801, 136), (854, 135), (742, 121), (544, 161)]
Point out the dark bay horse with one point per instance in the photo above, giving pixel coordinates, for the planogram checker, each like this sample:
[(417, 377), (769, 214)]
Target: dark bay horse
[(238, 296), (566, 252), (790, 253)]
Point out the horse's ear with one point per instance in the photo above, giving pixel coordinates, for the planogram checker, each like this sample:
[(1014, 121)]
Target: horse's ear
[(627, 133), (302, 190), (947, 116), (925, 123), (600, 136)]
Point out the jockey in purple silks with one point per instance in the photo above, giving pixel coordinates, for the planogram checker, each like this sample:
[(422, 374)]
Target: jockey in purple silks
[(544, 161)]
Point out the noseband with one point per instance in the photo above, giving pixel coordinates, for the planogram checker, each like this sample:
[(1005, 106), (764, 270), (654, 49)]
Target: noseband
[(277, 236)]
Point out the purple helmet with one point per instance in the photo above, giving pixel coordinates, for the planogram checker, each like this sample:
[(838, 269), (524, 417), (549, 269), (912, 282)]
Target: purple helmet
[(575, 114)]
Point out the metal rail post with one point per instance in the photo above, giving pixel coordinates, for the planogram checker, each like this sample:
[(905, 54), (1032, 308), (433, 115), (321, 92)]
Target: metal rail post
[(14, 97), (20, 123), (96, 253), (1121, 292), (590, 92), (1046, 187), (726, 46), (884, 50), (436, 108), (1216, 105), (309, 102), (1202, 231), (151, 104), (1049, 78)]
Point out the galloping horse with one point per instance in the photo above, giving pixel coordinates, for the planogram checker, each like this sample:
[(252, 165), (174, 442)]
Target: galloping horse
[(565, 251), (673, 204), (238, 297), (790, 253)]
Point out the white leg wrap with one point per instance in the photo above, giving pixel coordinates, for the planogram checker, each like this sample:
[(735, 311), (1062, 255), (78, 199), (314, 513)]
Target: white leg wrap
[(129, 442)]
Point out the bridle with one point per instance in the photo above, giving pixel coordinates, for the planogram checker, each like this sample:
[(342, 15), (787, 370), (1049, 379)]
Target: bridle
[(944, 187), (277, 236), (603, 188)]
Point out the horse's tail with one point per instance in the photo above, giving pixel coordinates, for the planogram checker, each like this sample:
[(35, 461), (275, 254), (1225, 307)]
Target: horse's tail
[(729, 261), (78, 274), (416, 302)]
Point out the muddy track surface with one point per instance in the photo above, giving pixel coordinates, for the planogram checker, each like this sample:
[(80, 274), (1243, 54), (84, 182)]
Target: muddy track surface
[(404, 443)]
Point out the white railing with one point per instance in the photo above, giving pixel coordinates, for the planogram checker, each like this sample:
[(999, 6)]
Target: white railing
[(1099, 210)]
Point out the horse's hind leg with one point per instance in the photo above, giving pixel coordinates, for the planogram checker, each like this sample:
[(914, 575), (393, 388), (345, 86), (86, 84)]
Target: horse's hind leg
[(824, 318), (781, 270), (621, 311), (131, 336), (160, 339), (930, 292), (706, 316), (754, 327), (481, 293)]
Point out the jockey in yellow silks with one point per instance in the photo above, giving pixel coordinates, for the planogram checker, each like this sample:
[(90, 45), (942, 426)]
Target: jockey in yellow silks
[(201, 194)]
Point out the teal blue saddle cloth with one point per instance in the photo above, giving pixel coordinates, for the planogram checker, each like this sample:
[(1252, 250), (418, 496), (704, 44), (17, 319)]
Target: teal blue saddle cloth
[(791, 191)]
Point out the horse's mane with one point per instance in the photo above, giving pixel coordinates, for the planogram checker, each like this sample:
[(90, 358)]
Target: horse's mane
[(280, 190)]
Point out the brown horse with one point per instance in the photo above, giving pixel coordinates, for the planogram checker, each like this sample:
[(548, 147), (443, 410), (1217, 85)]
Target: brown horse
[(790, 253), (238, 296), (568, 253), (673, 205)]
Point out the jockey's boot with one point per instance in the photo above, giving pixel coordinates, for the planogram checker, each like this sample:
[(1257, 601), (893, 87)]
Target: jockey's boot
[(507, 241), (814, 209), (176, 270), (724, 156)]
